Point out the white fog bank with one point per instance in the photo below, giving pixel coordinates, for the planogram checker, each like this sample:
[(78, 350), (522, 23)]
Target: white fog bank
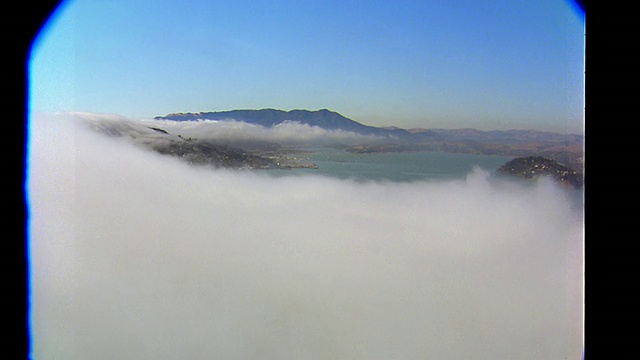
[(286, 133), (135, 255)]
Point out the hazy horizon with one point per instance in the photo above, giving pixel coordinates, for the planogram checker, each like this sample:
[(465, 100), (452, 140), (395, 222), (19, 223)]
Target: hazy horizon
[(499, 65), (382, 126)]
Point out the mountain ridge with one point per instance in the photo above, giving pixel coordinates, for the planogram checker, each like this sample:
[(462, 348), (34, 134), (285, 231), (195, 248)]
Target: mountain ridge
[(566, 148), (268, 117), (563, 148), (333, 120)]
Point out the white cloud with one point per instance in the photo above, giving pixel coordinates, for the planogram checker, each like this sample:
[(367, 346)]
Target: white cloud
[(136, 255), (289, 133)]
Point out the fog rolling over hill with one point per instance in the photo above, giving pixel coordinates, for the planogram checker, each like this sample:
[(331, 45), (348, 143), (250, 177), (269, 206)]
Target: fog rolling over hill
[(270, 117), (136, 255), (332, 120), (566, 148)]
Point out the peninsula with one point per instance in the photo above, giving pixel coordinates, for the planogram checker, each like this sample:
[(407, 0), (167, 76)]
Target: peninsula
[(563, 148)]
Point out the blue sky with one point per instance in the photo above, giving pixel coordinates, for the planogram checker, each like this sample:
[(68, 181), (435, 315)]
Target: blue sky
[(500, 64)]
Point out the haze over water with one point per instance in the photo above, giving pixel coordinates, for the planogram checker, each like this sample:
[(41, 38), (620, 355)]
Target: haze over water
[(402, 166), (136, 255)]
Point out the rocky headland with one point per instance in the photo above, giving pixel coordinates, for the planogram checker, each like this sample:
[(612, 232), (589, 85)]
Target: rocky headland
[(533, 167)]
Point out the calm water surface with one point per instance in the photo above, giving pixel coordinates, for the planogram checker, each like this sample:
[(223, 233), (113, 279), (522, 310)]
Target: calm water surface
[(404, 167)]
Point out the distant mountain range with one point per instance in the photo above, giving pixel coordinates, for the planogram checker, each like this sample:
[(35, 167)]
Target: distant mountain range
[(324, 118), (566, 148), (331, 120)]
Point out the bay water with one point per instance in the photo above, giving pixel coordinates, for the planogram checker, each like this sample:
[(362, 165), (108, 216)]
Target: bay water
[(405, 167), (399, 166)]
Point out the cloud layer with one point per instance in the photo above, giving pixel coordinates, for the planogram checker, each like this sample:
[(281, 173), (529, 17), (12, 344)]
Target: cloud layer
[(288, 133), (139, 256)]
